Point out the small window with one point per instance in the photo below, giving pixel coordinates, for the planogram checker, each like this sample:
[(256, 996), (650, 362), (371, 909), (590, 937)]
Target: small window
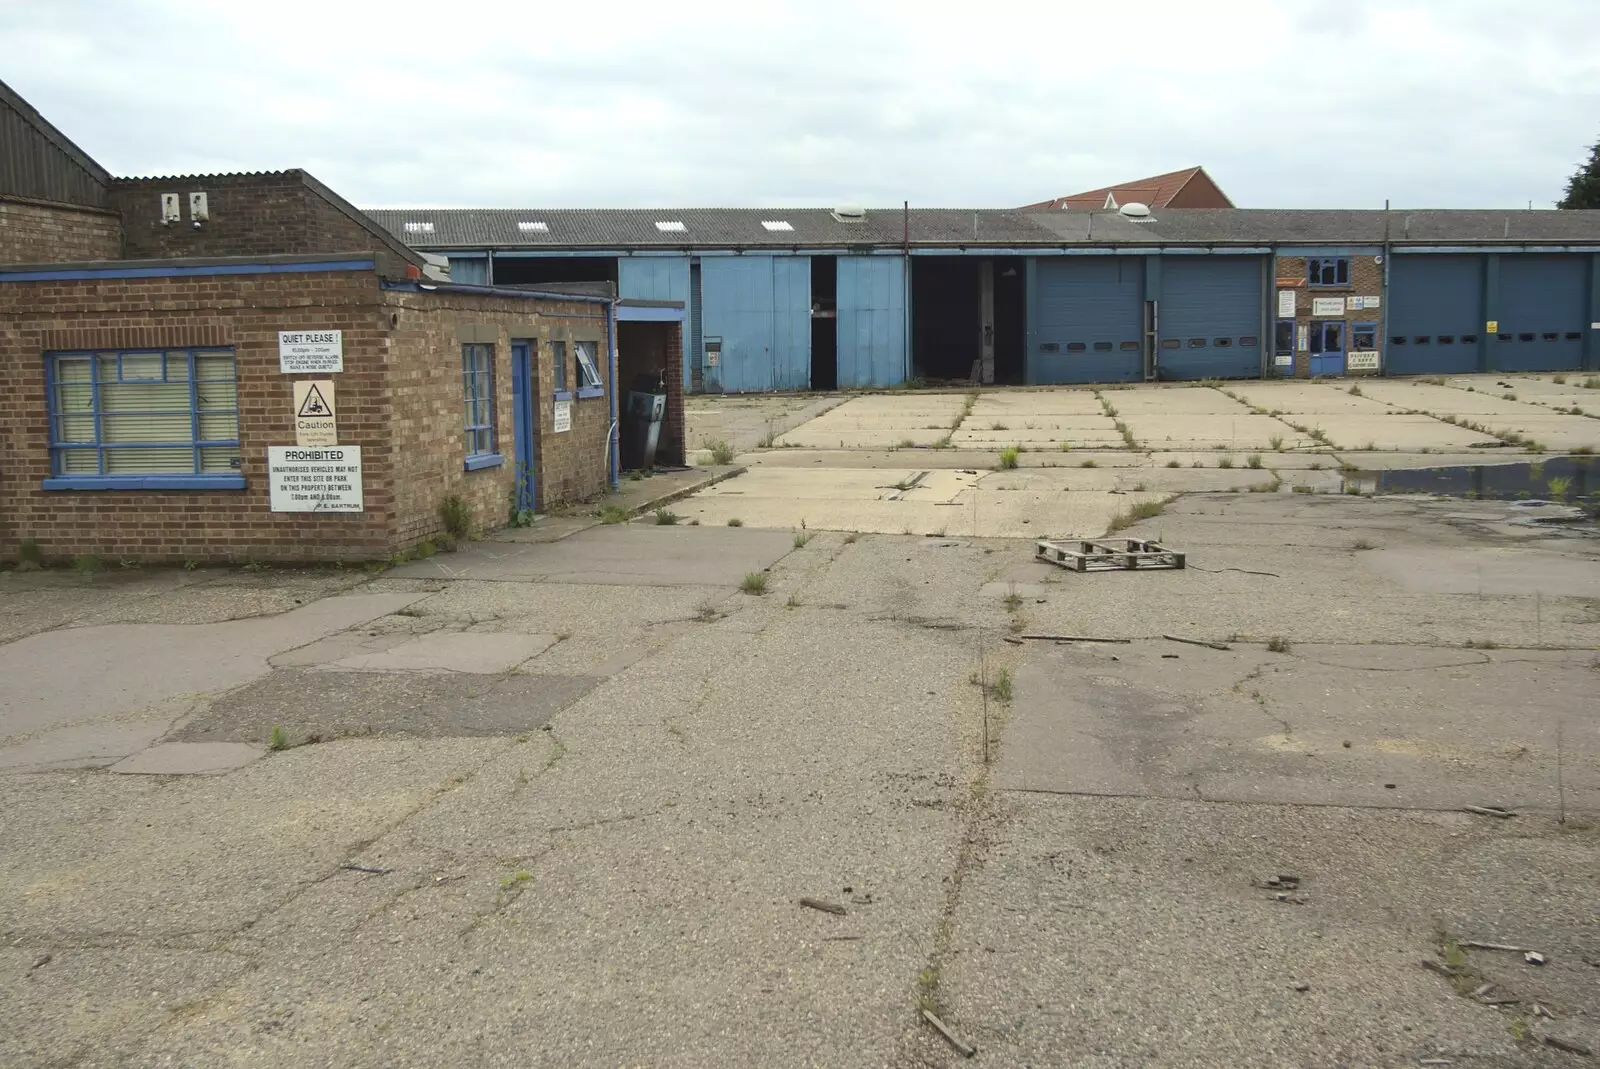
[(1552, 336), (1504, 337), (588, 355), (477, 377), (419, 228), (1398, 339), (1335, 272), (1170, 343), (1102, 347), (1363, 336), (1573, 335), (1050, 347), (558, 364), (1524, 337), (1469, 339), (1248, 341), (1283, 337), (1223, 343), (1197, 343), (534, 227), (1077, 347), (672, 226), (776, 225), (1421, 339), (1129, 347), (1447, 339)]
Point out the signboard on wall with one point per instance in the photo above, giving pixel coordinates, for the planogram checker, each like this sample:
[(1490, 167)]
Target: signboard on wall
[(315, 480), (1327, 306), (1492, 327), (1302, 338), (314, 419), (310, 352), (1283, 360), (561, 417), (1286, 304), (1361, 360)]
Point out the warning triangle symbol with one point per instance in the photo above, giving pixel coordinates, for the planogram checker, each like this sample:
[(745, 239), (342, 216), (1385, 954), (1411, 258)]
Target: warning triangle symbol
[(314, 405)]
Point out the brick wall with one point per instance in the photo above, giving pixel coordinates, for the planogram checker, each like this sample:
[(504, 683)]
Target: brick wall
[(43, 234), (1366, 280), (400, 397), (573, 464), (250, 215)]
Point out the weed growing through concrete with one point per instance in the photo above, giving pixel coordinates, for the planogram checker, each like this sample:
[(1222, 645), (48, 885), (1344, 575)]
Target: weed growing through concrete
[(850, 538), (998, 426), (511, 879), (1301, 489), (800, 539), (1559, 380), (1582, 450), (1355, 391), (87, 564), (754, 583), (1277, 644), (1225, 462), (1253, 460), (1001, 688), (1276, 441), (1559, 486), (1144, 510), (1263, 488), (1088, 463), (1591, 383), (1480, 644), (1008, 457), (1066, 447), (1508, 396), (613, 514), (1013, 600), (721, 452), (793, 602), (666, 517), (1174, 463), (940, 443), (905, 443), (278, 739), (1127, 435), (28, 553), (735, 522), (456, 516), (1197, 464), (1140, 488), (1362, 543)]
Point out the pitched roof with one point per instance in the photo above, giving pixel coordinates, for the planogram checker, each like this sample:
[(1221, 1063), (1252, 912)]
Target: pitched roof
[(778, 228), (1288, 226), (41, 160), (1157, 191)]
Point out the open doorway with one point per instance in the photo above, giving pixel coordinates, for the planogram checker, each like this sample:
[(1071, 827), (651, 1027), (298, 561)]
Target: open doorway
[(532, 270), (958, 305), (1010, 318), (824, 323)]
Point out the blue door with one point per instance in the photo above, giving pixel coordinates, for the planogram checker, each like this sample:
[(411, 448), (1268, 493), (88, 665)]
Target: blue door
[(1327, 347), (1089, 319), (1210, 317), (759, 309), (1435, 314), (523, 403), (1543, 313), (872, 321)]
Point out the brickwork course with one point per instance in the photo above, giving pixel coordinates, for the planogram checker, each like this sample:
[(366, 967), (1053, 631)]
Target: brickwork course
[(43, 233)]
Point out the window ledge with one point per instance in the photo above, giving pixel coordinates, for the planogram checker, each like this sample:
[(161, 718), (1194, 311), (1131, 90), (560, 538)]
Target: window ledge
[(484, 460), (144, 482), (563, 395), (591, 391)]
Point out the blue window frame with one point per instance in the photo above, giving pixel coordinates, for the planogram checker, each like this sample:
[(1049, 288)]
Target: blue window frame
[(143, 419), (587, 354), (1364, 336), (477, 377), (558, 362), (1328, 272)]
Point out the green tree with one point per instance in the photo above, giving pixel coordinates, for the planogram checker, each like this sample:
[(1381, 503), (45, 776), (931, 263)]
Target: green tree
[(1583, 188)]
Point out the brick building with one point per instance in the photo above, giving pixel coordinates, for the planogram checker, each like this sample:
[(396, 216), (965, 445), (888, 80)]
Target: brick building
[(1329, 314), (224, 368)]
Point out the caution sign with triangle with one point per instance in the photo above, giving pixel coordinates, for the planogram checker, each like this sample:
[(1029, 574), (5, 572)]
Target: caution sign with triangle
[(315, 421)]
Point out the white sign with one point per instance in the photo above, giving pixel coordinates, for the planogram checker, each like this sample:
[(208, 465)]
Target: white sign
[(313, 413), (562, 421), (1283, 360), (1361, 360), (1302, 338), (315, 480), (1372, 302), (1327, 306), (1286, 304), (310, 352)]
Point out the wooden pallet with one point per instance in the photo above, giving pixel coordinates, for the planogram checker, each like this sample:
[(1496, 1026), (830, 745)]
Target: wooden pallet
[(1106, 554)]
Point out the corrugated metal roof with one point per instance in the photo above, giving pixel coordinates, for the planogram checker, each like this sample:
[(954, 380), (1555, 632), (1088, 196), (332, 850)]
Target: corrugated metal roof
[(39, 162), (702, 227), (1267, 226)]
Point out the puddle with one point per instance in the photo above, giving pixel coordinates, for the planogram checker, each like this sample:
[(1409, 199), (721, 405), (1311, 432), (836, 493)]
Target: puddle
[(1551, 483)]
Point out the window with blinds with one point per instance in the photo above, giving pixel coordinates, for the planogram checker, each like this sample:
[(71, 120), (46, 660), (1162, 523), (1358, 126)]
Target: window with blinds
[(477, 374), (167, 412)]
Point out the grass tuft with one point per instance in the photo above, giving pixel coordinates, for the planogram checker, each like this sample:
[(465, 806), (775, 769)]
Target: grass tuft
[(613, 514), (1253, 460), (1225, 462), (278, 739), (666, 517), (1088, 462), (735, 522), (801, 538), (1144, 510), (1278, 644), (456, 516), (754, 583), (1008, 457)]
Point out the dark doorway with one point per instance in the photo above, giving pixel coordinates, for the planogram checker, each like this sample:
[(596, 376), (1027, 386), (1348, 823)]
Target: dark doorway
[(530, 270), (824, 323), (650, 357), (1010, 318), (946, 317)]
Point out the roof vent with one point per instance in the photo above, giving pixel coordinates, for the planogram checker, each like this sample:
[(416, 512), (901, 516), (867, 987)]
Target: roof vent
[(419, 228), (776, 224), (1135, 212), (850, 213), (670, 227), (534, 228)]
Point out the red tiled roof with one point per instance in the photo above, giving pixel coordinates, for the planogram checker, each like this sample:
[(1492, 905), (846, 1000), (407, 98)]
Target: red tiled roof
[(1157, 191)]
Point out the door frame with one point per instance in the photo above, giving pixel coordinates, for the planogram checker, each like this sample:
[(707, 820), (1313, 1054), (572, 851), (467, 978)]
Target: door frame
[(525, 423), (1319, 352)]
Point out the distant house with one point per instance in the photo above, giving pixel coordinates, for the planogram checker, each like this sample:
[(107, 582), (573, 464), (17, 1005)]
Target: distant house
[(1188, 188)]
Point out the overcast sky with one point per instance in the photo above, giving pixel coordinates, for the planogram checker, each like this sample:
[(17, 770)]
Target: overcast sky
[(1288, 103)]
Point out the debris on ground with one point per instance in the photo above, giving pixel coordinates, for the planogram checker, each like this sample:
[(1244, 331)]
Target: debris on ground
[(1281, 882), (1571, 1046), (1293, 900), (1301, 985), (1076, 638), (1489, 811), (1474, 944), (1107, 554), (367, 869), (824, 907), (1198, 642), (40, 962), (966, 1050), (1533, 957)]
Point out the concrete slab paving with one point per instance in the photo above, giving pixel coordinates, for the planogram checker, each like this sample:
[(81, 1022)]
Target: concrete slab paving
[(190, 759), (449, 651), (1236, 431), (1397, 430)]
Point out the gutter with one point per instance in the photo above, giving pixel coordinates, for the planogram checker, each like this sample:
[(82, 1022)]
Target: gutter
[(413, 286)]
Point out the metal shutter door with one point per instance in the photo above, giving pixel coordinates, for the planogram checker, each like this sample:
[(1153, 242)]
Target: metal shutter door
[(1089, 312), (1433, 297), (736, 295), (1544, 307), (791, 322), (872, 321), (1210, 306)]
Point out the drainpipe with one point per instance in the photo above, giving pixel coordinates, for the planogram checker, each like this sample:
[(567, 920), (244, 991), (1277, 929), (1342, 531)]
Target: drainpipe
[(1383, 312), (905, 285), (613, 437)]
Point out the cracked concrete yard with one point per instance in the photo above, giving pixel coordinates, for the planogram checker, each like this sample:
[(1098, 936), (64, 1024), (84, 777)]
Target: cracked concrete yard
[(556, 802)]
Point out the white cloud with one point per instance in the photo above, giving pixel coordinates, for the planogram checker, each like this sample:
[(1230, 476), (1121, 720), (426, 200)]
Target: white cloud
[(1292, 103)]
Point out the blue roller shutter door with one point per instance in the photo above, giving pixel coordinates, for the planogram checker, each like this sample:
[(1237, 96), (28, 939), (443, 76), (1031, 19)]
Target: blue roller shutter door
[(1544, 311), (1088, 319), (1435, 314), (872, 321), (759, 307), (1210, 317)]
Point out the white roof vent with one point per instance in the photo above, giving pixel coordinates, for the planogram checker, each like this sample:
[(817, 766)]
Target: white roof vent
[(850, 213), (670, 227), (419, 228), (776, 224), (1135, 212), (534, 228)]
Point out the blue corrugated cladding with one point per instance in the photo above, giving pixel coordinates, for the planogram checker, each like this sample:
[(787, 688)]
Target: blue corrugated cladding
[(657, 278), (1209, 317), (472, 270), (1435, 314), (1088, 319), (760, 309), (872, 321), (1544, 312)]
